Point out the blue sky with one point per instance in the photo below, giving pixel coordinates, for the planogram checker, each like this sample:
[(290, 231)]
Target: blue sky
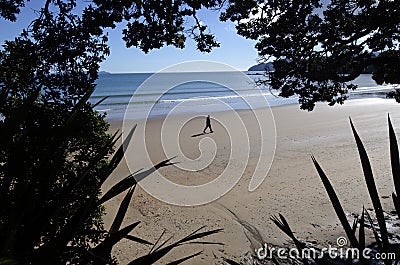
[(235, 50)]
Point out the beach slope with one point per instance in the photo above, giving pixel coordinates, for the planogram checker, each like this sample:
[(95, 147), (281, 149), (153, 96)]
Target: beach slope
[(291, 187)]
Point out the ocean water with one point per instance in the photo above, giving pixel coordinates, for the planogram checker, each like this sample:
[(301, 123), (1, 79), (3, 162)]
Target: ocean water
[(138, 95)]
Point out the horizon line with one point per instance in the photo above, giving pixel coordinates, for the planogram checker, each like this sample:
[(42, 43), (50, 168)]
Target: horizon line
[(169, 72)]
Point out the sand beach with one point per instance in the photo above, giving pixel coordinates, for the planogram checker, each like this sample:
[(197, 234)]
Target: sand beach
[(291, 187)]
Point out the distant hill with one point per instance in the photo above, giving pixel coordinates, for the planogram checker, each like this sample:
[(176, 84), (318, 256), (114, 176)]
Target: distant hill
[(269, 66), (104, 73), (262, 67)]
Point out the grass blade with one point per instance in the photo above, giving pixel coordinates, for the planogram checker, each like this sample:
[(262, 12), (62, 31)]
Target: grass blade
[(153, 256), (162, 244), (373, 193), (361, 236), (394, 157), (131, 180), (157, 254), (376, 235), (396, 203), (123, 208), (361, 231), (355, 223), (82, 101), (119, 154), (284, 226), (336, 204), (118, 188), (200, 235), (104, 248), (179, 261), (100, 101), (158, 240), (138, 240)]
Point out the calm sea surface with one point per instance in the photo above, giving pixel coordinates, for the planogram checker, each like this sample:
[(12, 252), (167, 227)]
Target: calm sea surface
[(159, 94)]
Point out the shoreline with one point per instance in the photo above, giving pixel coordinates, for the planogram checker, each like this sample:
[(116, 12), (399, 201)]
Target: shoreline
[(292, 186), (114, 121)]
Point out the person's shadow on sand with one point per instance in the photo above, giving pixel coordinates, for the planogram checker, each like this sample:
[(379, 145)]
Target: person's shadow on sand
[(200, 134), (208, 126)]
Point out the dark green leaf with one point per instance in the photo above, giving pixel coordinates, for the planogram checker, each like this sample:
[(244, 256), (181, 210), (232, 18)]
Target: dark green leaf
[(369, 179), (123, 208), (394, 157), (336, 204)]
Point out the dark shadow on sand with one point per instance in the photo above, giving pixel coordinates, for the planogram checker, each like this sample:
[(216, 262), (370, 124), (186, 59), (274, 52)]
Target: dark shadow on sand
[(200, 134)]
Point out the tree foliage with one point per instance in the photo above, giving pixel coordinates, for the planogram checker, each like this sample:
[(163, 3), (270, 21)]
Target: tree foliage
[(320, 47), (54, 146)]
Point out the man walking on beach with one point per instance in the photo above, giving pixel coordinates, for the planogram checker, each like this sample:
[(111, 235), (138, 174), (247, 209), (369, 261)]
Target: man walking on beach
[(208, 124)]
